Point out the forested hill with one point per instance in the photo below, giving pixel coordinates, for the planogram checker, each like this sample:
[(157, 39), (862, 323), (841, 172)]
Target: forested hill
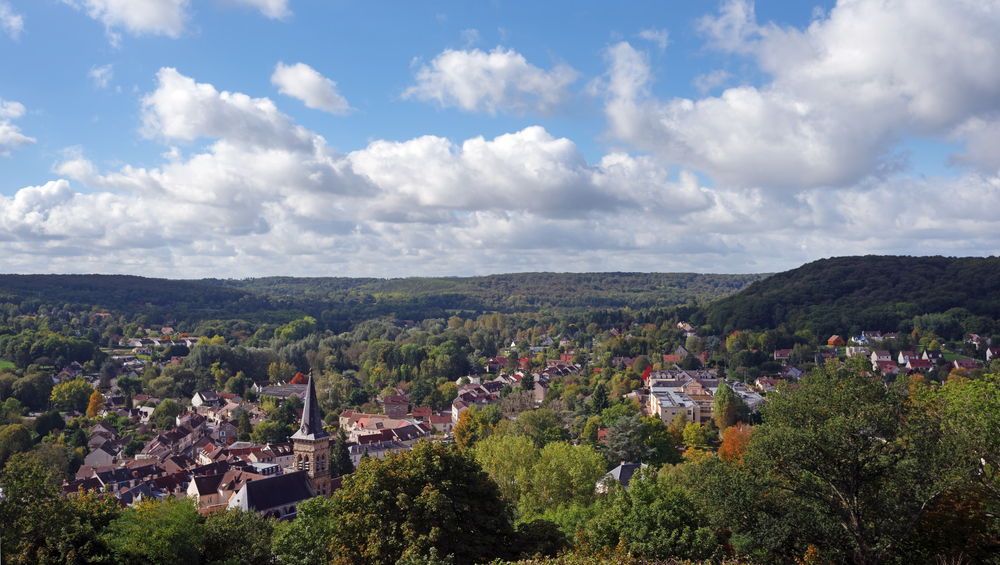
[(851, 294), (519, 291), (339, 302)]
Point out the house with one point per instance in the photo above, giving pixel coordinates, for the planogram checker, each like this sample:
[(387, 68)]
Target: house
[(886, 367), (991, 353), (853, 351), (396, 406), (422, 413), (205, 398), (919, 365), (881, 356), (442, 423), (782, 354), (905, 356), (621, 474), (932, 355), (106, 454), (835, 341), (225, 432), (872, 336), (967, 364)]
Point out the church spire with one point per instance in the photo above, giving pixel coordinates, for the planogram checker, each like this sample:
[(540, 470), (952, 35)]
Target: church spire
[(311, 426)]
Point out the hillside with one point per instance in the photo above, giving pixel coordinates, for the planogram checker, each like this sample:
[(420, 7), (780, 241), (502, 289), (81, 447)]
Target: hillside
[(513, 292), (338, 302), (849, 294)]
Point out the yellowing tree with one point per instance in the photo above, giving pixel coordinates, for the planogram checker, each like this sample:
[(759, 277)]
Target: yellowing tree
[(96, 404)]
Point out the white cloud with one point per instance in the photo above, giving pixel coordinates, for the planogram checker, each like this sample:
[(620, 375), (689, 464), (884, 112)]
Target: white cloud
[(274, 9), (10, 135), (101, 75), (843, 92), (182, 109), (12, 138), (267, 196), (11, 109), (11, 22), (138, 17), (316, 91), (476, 81), (660, 37)]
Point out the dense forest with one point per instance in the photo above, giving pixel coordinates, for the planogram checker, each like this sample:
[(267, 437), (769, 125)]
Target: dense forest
[(845, 295)]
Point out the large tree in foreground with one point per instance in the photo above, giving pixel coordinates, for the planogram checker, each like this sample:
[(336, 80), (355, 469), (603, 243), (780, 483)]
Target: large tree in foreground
[(435, 496), (867, 457)]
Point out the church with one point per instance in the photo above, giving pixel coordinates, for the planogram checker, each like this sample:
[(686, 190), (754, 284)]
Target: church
[(279, 496)]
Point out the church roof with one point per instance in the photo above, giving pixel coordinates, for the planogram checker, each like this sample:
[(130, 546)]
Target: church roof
[(311, 426)]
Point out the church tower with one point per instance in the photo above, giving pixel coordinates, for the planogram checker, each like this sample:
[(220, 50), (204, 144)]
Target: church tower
[(311, 444)]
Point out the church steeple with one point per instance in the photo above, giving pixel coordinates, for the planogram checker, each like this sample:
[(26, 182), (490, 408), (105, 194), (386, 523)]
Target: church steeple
[(311, 444), (312, 425)]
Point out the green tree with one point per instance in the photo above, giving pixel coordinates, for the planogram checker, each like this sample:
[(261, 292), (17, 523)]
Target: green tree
[(39, 526), (599, 401), (237, 537), (725, 407), (13, 439), (270, 432), (695, 436), (869, 458), (72, 395), (528, 382), (243, 426), (307, 539), (542, 426), (653, 519), (48, 422), (165, 415), (153, 532), (564, 475), (508, 460), (434, 496), (340, 456), (660, 442), (627, 441)]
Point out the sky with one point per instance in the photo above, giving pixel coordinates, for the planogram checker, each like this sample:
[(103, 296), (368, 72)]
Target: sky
[(242, 138)]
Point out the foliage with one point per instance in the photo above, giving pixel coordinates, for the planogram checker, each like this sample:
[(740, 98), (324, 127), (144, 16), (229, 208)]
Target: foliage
[(72, 395), (508, 459), (95, 404), (156, 532), (237, 537), (652, 519), (405, 504), (307, 539), (867, 458)]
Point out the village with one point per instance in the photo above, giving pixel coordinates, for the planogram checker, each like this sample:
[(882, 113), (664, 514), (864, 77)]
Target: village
[(201, 455)]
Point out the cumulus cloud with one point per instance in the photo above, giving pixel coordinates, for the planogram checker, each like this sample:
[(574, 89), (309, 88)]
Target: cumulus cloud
[(267, 196), (137, 17), (181, 109), (11, 22), (11, 109), (101, 75), (10, 135), (501, 80), (843, 93), (316, 91)]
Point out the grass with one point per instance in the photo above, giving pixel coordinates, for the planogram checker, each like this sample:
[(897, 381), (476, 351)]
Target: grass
[(5, 364)]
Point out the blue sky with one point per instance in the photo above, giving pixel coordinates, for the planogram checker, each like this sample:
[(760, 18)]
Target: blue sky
[(189, 138)]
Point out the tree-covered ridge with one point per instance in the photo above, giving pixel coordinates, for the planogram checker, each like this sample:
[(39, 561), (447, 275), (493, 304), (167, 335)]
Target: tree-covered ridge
[(515, 291), (851, 294)]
